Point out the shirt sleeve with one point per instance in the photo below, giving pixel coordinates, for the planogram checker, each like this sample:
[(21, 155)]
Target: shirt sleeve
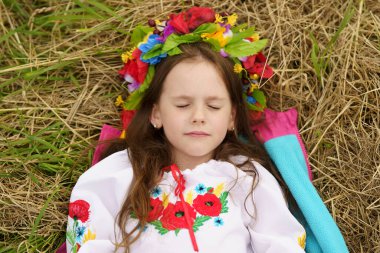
[(94, 203), (273, 228)]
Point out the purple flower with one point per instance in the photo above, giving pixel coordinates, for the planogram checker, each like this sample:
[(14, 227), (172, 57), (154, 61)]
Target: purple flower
[(228, 27), (133, 86), (166, 32), (223, 53)]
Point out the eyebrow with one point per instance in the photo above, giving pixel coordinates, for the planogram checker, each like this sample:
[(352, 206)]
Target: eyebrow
[(209, 98)]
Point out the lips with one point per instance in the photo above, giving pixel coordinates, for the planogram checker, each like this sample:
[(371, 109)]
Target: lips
[(197, 134)]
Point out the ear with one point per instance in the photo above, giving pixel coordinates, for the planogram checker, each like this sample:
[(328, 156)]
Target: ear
[(155, 117), (232, 119)]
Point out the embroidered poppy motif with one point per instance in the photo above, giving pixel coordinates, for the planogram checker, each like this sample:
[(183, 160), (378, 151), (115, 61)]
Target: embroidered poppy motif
[(173, 216), (78, 231), (202, 203), (208, 205), (157, 208), (79, 210)]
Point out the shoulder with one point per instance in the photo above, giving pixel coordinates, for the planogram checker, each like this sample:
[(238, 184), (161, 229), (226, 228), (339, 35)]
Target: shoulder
[(111, 173), (257, 180), (259, 169)]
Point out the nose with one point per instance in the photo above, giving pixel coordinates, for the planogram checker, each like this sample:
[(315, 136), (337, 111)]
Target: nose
[(198, 115)]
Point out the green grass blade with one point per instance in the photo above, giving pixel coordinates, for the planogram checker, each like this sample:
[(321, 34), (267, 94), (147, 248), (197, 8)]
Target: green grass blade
[(36, 73)]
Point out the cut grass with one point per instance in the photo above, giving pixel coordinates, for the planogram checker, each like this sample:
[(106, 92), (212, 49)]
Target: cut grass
[(58, 81)]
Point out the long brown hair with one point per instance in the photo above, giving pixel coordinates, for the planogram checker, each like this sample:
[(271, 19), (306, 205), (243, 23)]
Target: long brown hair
[(149, 150)]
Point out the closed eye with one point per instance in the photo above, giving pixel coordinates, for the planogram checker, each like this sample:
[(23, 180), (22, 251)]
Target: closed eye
[(182, 106), (214, 107)]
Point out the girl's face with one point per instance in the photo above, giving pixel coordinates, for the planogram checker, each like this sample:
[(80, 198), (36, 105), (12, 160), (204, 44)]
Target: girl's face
[(195, 112)]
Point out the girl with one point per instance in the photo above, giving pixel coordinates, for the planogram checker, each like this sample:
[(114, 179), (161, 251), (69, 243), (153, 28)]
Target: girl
[(191, 175)]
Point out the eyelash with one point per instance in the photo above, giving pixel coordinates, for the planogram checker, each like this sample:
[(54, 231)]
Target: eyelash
[(212, 107)]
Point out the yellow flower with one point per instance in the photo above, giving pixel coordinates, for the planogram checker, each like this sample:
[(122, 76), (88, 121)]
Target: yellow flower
[(238, 68), (119, 101), (123, 134), (253, 87), (232, 19), (89, 236), (127, 55), (255, 37), (165, 200), (302, 240), (189, 197), (218, 18), (254, 76), (145, 39), (218, 35), (157, 21), (218, 189)]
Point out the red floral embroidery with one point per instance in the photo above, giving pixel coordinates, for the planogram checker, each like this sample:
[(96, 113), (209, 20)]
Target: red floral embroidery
[(186, 22), (136, 68), (78, 246), (157, 208), (208, 204), (173, 216), (79, 209), (255, 65)]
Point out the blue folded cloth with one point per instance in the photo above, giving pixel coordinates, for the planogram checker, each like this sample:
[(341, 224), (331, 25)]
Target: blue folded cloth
[(287, 152)]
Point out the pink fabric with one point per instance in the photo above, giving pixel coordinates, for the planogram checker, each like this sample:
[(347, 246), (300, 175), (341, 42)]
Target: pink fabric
[(277, 124), (107, 133), (62, 249)]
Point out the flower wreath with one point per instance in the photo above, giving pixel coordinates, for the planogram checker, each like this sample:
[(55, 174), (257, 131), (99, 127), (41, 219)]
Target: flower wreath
[(161, 39)]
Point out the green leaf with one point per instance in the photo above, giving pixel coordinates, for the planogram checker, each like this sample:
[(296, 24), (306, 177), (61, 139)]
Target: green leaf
[(205, 28), (243, 48), (174, 51), (214, 43), (158, 225), (153, 52), (260, 97), (139, 33), (199, 222), (133, 101), (177, 231), (237, 29), (242, 35), (224, 201), (175, 40), (223, 196), (148, 78), (70, 236), (255, 107), (133, 215)]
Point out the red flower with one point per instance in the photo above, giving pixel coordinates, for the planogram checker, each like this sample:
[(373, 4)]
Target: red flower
[(208, 204), (79, 209), (157, 208), (126, 117), (174, 216), (255, 65), (136, 68), (186, 22), (256, 115)]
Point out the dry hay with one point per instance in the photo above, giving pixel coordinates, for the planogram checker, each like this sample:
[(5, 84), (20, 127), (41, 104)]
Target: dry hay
[(58, 83)]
